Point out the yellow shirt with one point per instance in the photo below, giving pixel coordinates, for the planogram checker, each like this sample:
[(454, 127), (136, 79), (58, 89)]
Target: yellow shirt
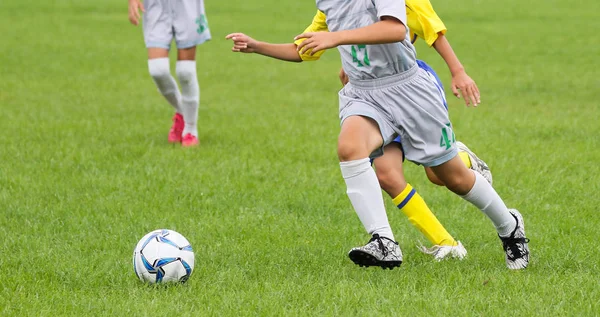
[(318, 24), (422, 21)]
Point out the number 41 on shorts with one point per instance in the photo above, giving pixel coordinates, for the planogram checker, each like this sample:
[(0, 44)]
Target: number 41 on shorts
[(448, 137)]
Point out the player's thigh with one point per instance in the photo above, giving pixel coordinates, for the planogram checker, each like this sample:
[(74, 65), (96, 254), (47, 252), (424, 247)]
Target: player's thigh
[(157, 24), (359, 106), (190, 23), (426, 131), (359, 137), (157, 52), (391, 160), (186, 54)]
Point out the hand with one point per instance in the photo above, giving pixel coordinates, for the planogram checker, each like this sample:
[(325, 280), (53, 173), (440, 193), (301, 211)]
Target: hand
[(135, 6), (242, 43), (468, 89), (316, 41), (343, 77)]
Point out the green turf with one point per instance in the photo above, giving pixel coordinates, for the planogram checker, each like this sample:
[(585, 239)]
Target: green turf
[(85, 170)]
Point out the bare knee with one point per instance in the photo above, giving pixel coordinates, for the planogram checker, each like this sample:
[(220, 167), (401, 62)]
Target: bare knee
[(460, 183), (349, 151)]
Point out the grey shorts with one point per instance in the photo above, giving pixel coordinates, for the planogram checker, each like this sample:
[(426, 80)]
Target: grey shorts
[(182, 20), (408, 105)]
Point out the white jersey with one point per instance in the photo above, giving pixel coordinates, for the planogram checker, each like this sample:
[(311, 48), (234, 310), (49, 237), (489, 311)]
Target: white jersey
[(364, 62)]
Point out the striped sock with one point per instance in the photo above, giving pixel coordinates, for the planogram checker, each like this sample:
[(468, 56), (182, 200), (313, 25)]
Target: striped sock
[(419, 214)]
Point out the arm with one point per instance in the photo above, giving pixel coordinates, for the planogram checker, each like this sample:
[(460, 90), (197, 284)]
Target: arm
[(460, 80), (442, 46), (244, 44), (388, 30), (285, 52), (135, 6)]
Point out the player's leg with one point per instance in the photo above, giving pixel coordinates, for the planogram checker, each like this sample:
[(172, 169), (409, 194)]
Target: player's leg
[(190, 92), (466, 155), (471, 161), (391, 178), (158, 35), (440, 153), (359, 137), (191, 30), (474, 188)]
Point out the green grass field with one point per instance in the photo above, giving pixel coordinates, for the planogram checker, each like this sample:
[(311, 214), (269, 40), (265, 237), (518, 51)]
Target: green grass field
[(85, 169)]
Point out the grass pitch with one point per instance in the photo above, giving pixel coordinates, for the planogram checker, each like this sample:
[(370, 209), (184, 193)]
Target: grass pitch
[(85, 170)]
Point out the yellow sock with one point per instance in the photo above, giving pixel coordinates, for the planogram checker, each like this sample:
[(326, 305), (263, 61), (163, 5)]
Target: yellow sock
[(465, 158), (419, 214)]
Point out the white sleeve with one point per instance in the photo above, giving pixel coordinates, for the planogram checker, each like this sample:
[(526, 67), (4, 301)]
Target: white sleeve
[(391, 8)]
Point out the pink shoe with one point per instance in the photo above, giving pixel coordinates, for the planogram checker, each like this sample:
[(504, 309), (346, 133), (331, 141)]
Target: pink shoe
[(189, 140), (176, 129)]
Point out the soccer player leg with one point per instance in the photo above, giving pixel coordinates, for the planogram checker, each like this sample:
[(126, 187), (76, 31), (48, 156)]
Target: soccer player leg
[(438, 151), (465, 154), (362, 134), (158, 34), (190, 91), (191, 30), (474, 188), (391, 178), (161, 74)]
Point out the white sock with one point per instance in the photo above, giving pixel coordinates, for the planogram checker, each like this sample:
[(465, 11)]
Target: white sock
[(484, 197), (365, 194), (190, 92), (161, 73)]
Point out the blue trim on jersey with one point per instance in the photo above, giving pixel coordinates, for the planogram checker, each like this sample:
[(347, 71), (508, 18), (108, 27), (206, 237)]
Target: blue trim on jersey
[(405, 201), (424, 66), (439, 85)]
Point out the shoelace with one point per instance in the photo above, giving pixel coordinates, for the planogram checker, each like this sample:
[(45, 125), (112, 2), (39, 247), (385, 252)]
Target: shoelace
[(513, 244), (431, 251), (382, 247)]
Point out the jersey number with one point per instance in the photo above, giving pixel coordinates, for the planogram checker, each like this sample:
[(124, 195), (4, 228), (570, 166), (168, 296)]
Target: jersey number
[(447, 137), (202, 24), (357, 50)]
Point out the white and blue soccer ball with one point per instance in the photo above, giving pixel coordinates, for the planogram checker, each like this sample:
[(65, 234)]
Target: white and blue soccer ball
[(163, 256)]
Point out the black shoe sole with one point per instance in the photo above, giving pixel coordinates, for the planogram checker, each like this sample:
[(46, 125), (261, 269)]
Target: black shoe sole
[(363, 259)]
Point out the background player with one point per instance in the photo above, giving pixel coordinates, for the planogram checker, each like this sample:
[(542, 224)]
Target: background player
[(375, 106), (185, 21)]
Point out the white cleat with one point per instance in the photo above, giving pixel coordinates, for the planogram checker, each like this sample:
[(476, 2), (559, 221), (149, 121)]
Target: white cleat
[(380, 251), (442, 252), (477, 164), (516, 244)]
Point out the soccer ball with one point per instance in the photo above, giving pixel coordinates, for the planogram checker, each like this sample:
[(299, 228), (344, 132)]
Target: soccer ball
[(163, 256)]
